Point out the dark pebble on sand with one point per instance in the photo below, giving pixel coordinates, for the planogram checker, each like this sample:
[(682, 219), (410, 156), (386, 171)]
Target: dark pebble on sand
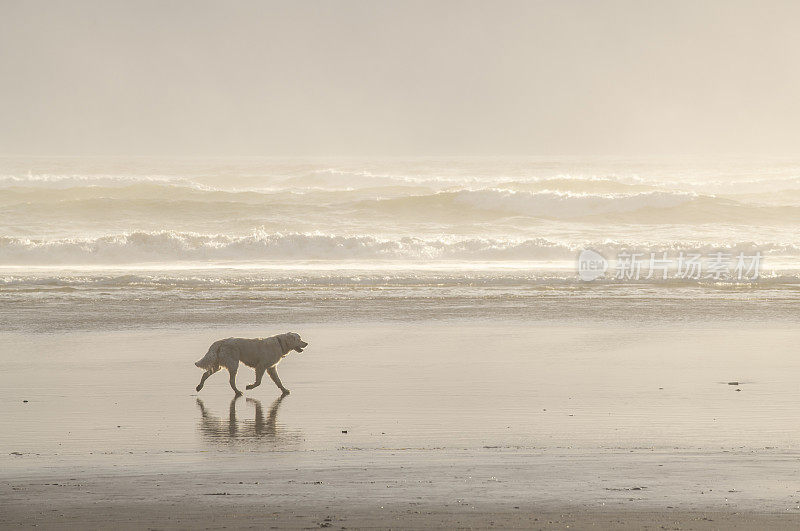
[(344, 431), (733, 383), (25, 401)]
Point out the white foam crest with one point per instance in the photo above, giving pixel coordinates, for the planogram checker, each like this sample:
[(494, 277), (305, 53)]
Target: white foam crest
[(335, 177), (109, 180), (171, 246), (177, 247)]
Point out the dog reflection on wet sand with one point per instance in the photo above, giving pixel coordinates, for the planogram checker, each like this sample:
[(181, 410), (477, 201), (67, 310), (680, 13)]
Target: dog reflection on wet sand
[(232, 430)]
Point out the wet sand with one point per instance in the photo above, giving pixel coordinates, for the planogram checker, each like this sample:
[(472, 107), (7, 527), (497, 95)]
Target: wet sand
[(413, 489), (446, 425)]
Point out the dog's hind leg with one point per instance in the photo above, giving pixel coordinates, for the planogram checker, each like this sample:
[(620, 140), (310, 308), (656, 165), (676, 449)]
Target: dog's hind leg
[(259, 374), (232, 370), (273, 373)]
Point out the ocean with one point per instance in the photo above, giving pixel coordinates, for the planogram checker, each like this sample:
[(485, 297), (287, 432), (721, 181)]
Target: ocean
[(128, 243)]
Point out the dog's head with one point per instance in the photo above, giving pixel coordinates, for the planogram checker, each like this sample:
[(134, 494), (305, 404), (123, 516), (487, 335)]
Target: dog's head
[(293, 342)]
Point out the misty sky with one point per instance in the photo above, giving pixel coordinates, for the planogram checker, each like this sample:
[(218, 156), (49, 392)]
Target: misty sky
[(399, 78)]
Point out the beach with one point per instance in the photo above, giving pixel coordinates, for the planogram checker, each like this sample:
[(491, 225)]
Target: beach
[(462, 369), (406, 425)]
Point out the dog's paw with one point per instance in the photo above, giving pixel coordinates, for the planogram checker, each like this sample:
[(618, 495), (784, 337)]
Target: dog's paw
[(248, 387), (285, 391), (239, 393), (198, 388)]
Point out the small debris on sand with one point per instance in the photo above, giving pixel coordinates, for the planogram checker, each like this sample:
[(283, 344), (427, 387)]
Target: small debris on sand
[(25, 401), (733, 383), (344, 431)]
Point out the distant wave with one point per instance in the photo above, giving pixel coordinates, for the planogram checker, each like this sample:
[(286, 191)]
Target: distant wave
[(326, 180), (159, 192), (557, 198), (581, 179), (156, 196), (176, 247), (148, 205), (654, 206), (578, 185), (560, 205), (56, 181)]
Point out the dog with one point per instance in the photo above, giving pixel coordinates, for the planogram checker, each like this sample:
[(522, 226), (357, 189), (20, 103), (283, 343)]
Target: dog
[(262, 354)]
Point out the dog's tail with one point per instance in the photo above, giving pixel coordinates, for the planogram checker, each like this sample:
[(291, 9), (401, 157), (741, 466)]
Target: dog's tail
[(211, 359)]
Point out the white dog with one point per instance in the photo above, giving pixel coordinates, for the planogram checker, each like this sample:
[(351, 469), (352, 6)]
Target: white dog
[(262, 354)]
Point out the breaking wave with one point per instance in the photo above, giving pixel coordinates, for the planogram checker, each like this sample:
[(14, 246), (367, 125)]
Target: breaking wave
[(642, 207), (171, 246), (176, 247), (145, 212)]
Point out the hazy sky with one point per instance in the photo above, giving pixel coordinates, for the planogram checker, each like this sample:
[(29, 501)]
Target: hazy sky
[(194, 77)]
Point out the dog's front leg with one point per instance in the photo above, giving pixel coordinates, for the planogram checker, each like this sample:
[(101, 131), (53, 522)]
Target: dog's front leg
[(259, 375), (203, 379), (273, 373)]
